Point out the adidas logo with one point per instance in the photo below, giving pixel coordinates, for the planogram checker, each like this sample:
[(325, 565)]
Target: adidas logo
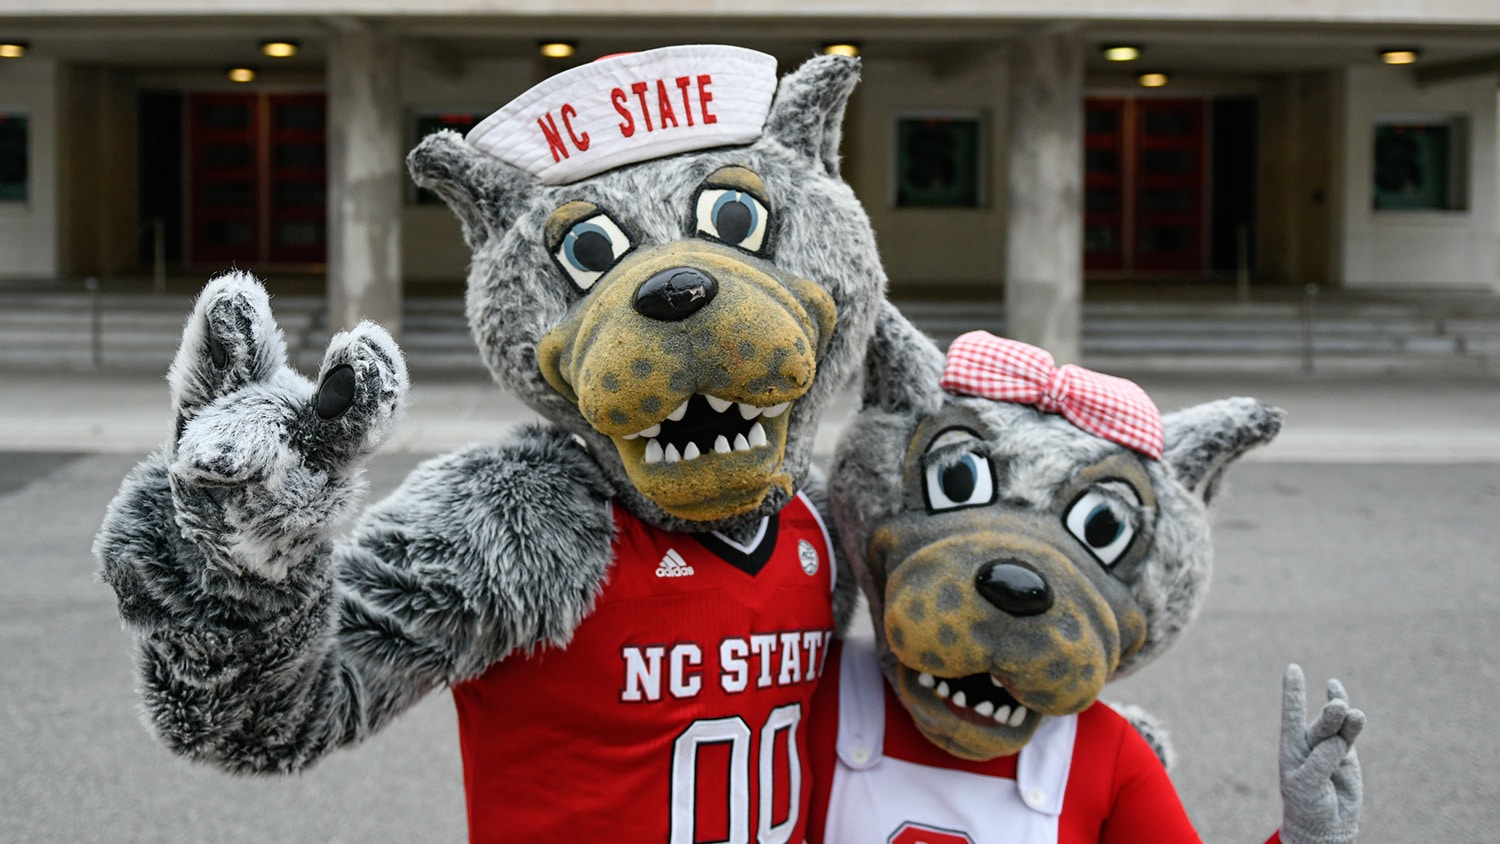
[(672, 565)]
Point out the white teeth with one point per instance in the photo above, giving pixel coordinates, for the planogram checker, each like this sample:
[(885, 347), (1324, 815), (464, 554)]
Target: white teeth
[(648, 433), (721, 445), (719, 405), (926, 680), (748, 411), (942, 689), (757, 435), (740, 443), (995, 682), (630, 436), (960, 700), (671, 454), (985, 708), (676, 415), (1018, 716), (1002, 714), (690, 452), (653, 452), (775, 410)]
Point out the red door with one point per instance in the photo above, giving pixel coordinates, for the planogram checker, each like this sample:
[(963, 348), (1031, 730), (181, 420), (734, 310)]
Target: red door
[(1144, 179), (257, 179)]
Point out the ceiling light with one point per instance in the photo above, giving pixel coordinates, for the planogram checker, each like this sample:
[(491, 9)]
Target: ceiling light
[(281, 48), (1400, 55), (841, 48), (1121, 52), (1152, 79), (557, 49), (241, 74), (13, 49)]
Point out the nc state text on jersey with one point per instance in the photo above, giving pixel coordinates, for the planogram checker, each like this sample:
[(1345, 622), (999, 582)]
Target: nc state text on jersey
[(760, 659)]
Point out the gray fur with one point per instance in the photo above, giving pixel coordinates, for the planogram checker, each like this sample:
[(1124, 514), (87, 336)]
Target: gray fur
[(266, 637)]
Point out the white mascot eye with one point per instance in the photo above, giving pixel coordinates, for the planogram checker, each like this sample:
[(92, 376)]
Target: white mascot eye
[(966, 482), (733, 217), (1095, 521), (590, 248)]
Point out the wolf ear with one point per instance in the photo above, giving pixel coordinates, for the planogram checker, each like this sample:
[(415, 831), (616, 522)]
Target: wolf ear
[(1201, 441), (485, 192), (902, 367), (808, 112)]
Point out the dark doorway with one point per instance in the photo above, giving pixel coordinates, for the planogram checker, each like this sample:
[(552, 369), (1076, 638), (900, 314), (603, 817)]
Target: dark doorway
[(1232, 203)]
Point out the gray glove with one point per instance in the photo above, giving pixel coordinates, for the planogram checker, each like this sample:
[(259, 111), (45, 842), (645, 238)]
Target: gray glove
[(1321, 788)]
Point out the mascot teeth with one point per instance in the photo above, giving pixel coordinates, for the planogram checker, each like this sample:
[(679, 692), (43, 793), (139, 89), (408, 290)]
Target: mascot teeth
[(691, 431)]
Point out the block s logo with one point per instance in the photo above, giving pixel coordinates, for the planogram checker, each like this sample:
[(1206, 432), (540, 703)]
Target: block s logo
[(915, 833)]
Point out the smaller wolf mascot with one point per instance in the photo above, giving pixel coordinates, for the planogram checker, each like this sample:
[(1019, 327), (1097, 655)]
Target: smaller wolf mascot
[(1022, 539), (631, 602)]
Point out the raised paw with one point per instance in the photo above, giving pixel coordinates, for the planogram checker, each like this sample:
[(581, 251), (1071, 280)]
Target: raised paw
[(1321, 783), (359, 397), (230, 342)]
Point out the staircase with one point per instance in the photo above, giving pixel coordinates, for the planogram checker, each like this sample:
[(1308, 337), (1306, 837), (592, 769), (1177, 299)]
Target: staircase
[(61, 330)]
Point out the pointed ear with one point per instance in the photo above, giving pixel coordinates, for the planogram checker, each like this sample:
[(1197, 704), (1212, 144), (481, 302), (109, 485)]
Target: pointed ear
[(485, 192), (902, 367), (808, 112), (1202, 441)]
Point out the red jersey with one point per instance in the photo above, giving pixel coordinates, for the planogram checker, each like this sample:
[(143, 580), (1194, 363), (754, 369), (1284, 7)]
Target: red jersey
[(677, 712)]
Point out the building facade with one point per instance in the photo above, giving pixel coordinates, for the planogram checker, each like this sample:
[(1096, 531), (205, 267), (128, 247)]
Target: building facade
[(995, 145)]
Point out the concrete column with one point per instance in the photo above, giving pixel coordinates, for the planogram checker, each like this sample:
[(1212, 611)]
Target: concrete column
[(1044, 192), (366, 175)]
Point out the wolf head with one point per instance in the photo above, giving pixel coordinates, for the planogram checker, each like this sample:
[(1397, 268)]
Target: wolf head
[(690, 316), (1015, 563)]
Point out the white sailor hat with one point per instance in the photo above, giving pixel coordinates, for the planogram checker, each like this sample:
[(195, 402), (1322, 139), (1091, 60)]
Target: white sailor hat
[(632, 107)]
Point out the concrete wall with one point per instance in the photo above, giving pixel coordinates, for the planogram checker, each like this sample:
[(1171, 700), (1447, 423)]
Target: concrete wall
[(926, 246), (1415, 249), (28, 230), (432, 241)]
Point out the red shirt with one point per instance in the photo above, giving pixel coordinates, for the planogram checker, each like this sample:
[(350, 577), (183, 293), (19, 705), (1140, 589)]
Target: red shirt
[(677, 713)]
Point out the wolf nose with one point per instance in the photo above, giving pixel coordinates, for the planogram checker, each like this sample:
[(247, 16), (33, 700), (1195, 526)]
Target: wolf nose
[(1014, 587), (675, 294)]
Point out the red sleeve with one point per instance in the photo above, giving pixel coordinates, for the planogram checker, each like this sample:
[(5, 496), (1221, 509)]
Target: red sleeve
[(1145, 805)]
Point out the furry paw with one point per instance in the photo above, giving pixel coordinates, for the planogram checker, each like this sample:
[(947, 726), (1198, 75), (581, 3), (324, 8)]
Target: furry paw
[(1321, 785), (264, 462)]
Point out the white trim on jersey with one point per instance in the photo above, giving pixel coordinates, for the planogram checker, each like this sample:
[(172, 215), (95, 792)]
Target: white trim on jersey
[(833, 565), (755, 541)]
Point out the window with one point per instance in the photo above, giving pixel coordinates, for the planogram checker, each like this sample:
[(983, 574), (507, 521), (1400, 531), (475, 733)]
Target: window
[(13, 161), (938, 163), (1420, 165), (424, 124)]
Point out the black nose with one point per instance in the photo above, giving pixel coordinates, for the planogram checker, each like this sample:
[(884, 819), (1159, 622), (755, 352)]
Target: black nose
[(1014, 587), (675, 294)]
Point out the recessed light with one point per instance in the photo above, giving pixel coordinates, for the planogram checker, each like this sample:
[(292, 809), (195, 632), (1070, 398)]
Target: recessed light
[(557, 49), (841, 48), (280, 48), (1121, 52), (13, 49), (241, 74), (1152, 79), (1400, 55)]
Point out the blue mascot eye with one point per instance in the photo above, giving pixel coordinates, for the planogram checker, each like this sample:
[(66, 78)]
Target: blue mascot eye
[(1101, 527), (734, 217), (968, 481), (588, 248), (959, 479)]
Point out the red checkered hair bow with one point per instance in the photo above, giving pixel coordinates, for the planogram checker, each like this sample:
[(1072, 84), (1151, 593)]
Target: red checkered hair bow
[(981, 364)]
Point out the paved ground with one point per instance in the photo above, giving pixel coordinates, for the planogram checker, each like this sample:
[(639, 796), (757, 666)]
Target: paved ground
[(1360, 544)]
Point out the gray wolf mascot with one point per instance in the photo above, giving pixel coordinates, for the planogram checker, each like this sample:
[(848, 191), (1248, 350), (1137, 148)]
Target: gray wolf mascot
[(631, 602)]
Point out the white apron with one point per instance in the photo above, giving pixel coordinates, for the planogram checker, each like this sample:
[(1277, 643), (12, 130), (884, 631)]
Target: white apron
[(876, 799)]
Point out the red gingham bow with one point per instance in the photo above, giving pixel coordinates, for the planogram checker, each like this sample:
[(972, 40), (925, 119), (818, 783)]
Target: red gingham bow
[(981, 364)]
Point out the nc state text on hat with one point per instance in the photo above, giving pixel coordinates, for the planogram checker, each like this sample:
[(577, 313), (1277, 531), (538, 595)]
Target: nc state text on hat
[(693, 91)]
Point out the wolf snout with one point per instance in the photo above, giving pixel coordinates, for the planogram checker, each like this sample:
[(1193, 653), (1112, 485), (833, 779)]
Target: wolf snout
[(1014, 587), (675, 294)]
